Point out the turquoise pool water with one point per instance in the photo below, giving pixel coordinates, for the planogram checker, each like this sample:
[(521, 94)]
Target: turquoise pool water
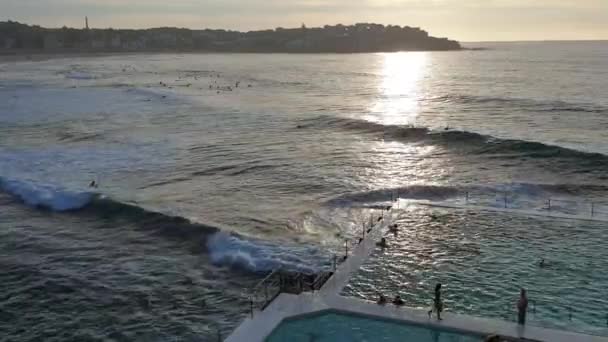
[(335, 326)]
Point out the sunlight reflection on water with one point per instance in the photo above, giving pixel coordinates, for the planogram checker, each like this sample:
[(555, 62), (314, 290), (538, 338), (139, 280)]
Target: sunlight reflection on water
[(399, 88)]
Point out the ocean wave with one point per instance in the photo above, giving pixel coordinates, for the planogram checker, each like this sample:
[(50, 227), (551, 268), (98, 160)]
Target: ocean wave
[(519, 191), (79, 75), (224, 249), (475, 143), (521, 103), (235, 169), (46, 196), (420, 192), (262, 256), (73, 136)]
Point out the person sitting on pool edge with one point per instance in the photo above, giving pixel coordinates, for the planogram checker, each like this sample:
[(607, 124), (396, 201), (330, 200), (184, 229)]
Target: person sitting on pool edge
[(493, 338), (382, 244), (398, 301), (381, 299)]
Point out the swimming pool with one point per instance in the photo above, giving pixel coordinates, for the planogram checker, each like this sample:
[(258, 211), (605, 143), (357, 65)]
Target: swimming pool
[(331, 326), (484, 258)]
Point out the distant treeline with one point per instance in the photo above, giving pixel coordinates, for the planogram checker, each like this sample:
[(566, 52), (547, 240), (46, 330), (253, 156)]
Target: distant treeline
[(15, 36)]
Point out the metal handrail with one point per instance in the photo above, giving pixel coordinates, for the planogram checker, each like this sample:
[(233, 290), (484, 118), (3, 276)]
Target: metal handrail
[(269, 276), (532, 308), (271, 281), (594, 207)]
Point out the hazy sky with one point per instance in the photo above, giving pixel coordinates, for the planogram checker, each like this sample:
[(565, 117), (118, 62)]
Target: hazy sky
[(464, 20)]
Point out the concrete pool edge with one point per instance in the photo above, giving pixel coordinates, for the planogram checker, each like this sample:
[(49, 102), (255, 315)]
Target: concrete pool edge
[(287, 307)]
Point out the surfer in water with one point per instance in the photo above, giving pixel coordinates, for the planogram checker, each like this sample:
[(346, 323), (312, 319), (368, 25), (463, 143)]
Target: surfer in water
[(93, 184), (382, 244)]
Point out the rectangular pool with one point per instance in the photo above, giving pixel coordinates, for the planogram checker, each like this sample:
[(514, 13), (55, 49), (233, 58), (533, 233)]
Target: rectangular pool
[(330, 326)]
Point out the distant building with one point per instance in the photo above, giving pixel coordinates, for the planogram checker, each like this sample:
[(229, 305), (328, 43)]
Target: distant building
[(138, 44), (8, 43), (297, 44), (51, 42), (169, 39), (98, 44), (115, 42)]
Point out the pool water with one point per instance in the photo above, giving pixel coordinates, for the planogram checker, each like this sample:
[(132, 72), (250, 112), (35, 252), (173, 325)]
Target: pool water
[(333, 326), (483, 259)]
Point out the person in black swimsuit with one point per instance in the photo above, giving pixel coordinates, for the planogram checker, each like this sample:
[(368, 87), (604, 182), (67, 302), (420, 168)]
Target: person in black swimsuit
[(437, 303)]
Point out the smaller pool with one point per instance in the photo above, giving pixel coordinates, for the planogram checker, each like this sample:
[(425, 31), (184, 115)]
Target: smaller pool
[(336, 326)]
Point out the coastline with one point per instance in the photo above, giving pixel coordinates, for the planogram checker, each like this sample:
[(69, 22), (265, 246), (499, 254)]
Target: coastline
[(43, 55)]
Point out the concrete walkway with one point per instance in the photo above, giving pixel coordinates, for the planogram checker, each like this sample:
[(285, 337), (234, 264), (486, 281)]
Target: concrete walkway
[(343, 273)]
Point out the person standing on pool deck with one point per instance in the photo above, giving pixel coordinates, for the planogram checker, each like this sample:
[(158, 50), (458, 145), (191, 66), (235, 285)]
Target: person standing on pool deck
[(522, 307), (437, 303)]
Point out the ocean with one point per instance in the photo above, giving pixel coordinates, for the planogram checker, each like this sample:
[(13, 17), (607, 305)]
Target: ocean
[(214, 169)]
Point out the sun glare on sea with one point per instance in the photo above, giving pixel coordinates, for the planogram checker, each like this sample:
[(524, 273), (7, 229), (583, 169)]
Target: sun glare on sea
[(399, 88)]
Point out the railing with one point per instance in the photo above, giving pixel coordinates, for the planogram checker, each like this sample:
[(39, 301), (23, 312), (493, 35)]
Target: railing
[(278, 281), (512, 200), (218, 335), (267, 289), (569, 314)]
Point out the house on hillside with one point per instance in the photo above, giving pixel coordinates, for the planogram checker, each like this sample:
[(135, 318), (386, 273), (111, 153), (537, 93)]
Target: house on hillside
[(136, 44), (98, 44), (52, 42), (8, 43), (115, 42)]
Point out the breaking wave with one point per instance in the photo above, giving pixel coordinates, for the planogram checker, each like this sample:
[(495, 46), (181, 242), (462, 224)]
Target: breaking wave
[(46, 196), (262, 256), (521, 104), (224, 249), (521, 192), (471, 142)]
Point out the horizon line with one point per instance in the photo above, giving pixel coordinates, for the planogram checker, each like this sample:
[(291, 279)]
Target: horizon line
[(535, 41)]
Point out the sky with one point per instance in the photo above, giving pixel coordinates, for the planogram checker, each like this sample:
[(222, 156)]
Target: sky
[(463, 20)]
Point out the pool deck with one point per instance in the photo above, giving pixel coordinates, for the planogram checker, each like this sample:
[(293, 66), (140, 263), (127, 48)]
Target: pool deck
[(286, 305), (261, 325)]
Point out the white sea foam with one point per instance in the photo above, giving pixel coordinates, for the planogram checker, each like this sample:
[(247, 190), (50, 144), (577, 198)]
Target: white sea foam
[(46, 196), (262, 256)]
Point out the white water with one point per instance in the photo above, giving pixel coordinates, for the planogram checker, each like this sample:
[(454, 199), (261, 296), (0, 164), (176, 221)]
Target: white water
[(260, 256), (46, 196)]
